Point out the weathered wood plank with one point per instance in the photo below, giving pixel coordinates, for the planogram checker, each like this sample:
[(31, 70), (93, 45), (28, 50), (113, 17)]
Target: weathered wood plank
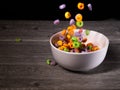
[(45, 75)]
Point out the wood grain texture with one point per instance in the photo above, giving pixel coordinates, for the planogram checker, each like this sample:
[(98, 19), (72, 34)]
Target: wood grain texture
[(23, 64)]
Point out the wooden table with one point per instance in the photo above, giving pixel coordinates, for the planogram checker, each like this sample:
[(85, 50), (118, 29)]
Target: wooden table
[(23, 64)]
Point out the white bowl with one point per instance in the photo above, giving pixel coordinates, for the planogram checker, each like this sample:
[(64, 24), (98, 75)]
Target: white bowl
[(81, 61)]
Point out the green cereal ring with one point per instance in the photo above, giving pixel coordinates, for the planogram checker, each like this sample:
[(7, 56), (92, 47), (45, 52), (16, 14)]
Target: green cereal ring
[(66, 49), (87, 32), (18, 39), (74, 39), (90, 47), (79, 24), (76, 44), (48, 61)]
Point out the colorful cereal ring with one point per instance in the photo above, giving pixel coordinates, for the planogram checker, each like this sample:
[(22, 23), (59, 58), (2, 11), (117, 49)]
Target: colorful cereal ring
[(72, 21), (79, 24), (74, 39), (78, 17), (89, 6), (87, 32), (76, 44), (67, 15), (62, 6), (66, 49), (63, 32), (59, 42), (80, 6), (56, 22)]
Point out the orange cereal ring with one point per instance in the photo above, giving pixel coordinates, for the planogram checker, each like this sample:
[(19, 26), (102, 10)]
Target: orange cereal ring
[(70, 28), (59, 43), (71, 32), (80, 6), (94, 48), (90, 44), (74, 26), (63, 32), (65, 44), (84, 40), (67, 15), (70, 45), (78, 17)]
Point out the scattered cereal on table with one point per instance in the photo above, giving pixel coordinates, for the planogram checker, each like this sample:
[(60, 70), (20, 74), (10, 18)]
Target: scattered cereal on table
[(53, 63), (48, 61), (18, 39)]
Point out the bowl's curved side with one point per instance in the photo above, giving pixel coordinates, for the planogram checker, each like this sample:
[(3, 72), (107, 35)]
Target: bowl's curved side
[(79, 62)]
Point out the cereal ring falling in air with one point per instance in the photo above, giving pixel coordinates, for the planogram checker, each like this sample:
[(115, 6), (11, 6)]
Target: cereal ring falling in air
[(67, 15), (72, 21), (78, 17), (57, 21), (62, 6), (80, 6), (90, 6)]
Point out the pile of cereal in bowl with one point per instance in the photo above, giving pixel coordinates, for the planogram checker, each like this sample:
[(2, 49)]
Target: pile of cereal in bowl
[(75, 40)]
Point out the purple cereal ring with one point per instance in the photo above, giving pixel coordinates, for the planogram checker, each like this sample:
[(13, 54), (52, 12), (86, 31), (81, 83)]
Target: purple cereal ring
[(90, 6), (62, 6), (72, 21), (53, 63), (57, 21), (62, 37)]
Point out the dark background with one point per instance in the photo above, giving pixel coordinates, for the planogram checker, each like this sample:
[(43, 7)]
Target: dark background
[(48, 9)]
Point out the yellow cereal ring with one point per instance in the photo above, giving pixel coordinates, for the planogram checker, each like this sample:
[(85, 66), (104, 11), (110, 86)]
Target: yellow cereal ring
[(78, 17), (59, 43), (80, 6), (68, 36), (61, 47), (67, 15)]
